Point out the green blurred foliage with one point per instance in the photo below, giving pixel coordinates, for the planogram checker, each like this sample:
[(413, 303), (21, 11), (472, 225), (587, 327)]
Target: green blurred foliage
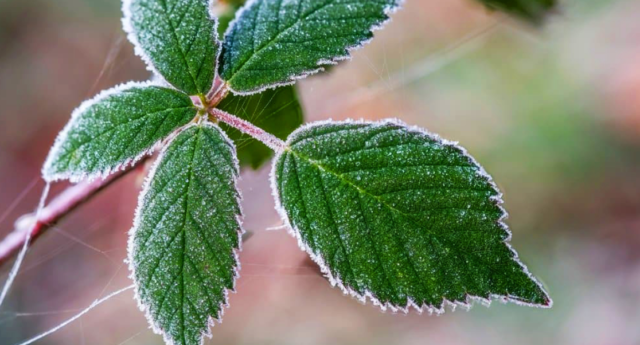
[(226, 11), (533, 11), (537, 126)]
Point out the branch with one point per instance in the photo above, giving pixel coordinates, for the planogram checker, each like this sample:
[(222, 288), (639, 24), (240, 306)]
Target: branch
[(61, 206), (247, 127)]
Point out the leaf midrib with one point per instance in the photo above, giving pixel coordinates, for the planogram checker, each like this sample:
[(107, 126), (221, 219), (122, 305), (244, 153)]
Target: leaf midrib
[(179, 45), (182, 232), (115, 127), (340, 176)]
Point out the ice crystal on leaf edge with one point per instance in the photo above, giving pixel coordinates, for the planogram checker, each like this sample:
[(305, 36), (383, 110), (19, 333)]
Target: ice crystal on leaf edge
[(368, 295)]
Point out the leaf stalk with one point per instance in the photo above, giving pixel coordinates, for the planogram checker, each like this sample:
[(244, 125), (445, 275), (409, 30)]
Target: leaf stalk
[(250, 129)]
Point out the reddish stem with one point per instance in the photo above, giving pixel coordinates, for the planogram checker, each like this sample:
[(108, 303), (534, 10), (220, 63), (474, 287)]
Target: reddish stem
[(63, 204), (250, 129), (218, 91)]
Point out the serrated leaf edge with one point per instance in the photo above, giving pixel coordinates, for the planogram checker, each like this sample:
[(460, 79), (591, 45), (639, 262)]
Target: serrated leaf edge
[(211, 319), (368, 295), (75, 177), (388, 11), (127, 27)]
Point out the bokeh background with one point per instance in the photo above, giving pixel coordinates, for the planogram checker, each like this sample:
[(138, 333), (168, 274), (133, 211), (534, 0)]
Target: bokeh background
[(553, 114)]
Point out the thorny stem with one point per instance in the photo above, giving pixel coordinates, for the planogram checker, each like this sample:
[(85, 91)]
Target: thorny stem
[(248, 128), (61, 206)]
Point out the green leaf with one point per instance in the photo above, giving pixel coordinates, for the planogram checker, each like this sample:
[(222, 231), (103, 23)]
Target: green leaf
[(115, 128), (398, 215), (275, 42), (177, 39), (533, 11), (277, 111), (183, 245)]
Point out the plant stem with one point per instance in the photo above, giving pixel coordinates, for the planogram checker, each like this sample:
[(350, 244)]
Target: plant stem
[(61, 206), (218, 92), (250, 129)]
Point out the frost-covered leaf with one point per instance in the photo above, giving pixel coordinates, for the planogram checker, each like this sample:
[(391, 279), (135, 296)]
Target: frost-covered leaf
[(275, 42), (277, 111), (531, 10), (183, 244), (116, 127), (177, 39), (399, 215)]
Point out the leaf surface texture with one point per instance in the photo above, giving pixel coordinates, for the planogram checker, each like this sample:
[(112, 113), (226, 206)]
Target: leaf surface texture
[(398, 215)]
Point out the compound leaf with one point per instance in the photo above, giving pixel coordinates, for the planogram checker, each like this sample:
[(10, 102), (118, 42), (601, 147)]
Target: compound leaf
[(177, 39), (275, 42), (186, 233), (401, 216), (277, 111), (116, 127), (533, 11)]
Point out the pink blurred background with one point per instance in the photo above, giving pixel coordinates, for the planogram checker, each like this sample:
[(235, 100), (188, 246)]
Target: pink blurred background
[(552, 113)]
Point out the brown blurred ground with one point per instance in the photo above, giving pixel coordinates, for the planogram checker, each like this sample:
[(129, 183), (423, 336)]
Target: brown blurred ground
[(554, 115)]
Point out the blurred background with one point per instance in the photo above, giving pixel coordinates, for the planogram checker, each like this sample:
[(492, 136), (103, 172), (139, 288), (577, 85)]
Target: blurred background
[(552, 113)]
